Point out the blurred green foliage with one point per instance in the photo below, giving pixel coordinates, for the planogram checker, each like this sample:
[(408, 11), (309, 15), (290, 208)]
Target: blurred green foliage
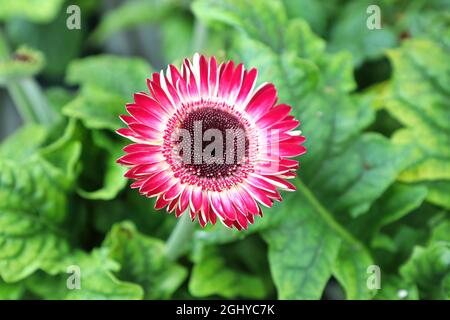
[(373, 189)]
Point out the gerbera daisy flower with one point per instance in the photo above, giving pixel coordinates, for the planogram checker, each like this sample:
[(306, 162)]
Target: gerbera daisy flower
[(207, 142)]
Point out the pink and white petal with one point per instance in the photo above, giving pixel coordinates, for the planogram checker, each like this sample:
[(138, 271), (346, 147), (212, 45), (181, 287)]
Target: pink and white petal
[(151, 105), (236, 82), (260, 183), (172, 205), (290, 149), (259, 195), (127, 119), (275, 115), (247, 86), (145, 132), (145, 117), (213, 77), (174, 191), (170, 91), (137, 184), (136, 147), (160, 96), (141, 157), (225, 80), (160, 203), (227, 205), (129, 134), (204, 74), (242, 220), (162, 188), (196, 199), (155, 181), (184, 198), (262, 101), (216, 204), (249, 201), (206, 212), (151, 169)]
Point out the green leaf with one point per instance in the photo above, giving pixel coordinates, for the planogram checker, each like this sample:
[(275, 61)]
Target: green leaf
[(116, 75), (107, 84), (176, 26), (212, 276), (315, 13), (33, 202), (429, 268), (419, 97), (350, 32), (350, 269), (143, 261), (302, 250), (58, 97), (24, 62), (97, 280), (41, 36), (114, 181), (64, 153), (262, 20), (35, 10), (396, 288), (360, 174), (11, 291), (441, 232), (132, 14), (438, 192), (396, 202), (343, 172), (96, 108), (24, 142), (31, 235)]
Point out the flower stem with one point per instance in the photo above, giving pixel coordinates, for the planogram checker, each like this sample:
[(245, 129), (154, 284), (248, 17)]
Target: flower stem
[(26, 94), (200, 36), (180, 238), (329, 219)]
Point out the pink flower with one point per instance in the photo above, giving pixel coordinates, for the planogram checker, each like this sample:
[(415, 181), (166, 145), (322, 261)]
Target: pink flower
[(206, 141)]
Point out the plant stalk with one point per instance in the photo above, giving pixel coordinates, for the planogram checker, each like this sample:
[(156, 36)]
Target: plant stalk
[(180, 238), (27, 94), (200, 36)]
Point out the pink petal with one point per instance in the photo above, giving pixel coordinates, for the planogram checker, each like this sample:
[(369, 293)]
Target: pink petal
[(227, 205), (160, 203), (145, 131), (173, 192), (247, 86), (149, 104), (204, 81), (249, 202), (154, 181), (291, 150), (225, 80), (212, 76), (196, 199), (135, 147), (141, 157), (144, 117), (262, 101), (275, 115)]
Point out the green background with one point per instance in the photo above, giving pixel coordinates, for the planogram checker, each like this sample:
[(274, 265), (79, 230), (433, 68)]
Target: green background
[(373, 188)]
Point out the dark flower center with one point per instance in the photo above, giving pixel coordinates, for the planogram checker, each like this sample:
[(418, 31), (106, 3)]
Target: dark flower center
[(213, 143)]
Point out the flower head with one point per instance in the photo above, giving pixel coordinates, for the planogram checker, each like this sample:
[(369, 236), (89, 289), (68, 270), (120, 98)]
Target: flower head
[(206, 141)]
